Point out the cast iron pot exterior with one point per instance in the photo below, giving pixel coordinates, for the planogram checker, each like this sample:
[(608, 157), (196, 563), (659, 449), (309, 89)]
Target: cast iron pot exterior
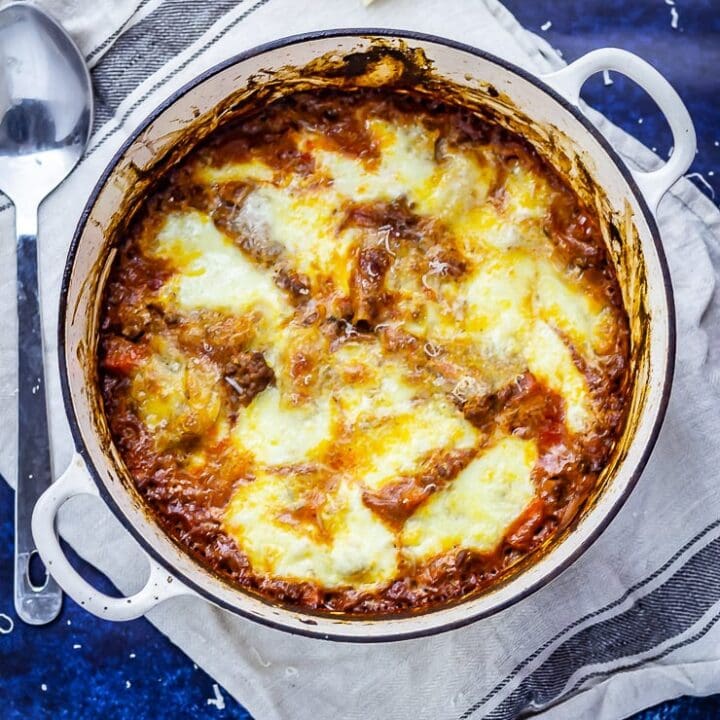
[(630, 198)]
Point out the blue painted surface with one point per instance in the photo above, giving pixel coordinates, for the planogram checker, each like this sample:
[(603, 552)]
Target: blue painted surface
[(689, 56), (86, 665)]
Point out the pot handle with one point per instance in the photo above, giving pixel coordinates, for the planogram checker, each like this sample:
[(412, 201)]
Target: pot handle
[(160, 586), (569, 81)]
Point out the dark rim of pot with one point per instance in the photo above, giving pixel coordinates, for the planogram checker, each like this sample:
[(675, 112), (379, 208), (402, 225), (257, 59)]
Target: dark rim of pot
[(309, 631)]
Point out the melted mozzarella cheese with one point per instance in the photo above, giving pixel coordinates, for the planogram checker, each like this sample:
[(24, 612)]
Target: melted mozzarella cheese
[(551, 361), (499, 303), (354, 549), (459, 186), (512, 306), (485, 228), (476, 509), (404, 440), (213, 273), (307, 225), (277, 433), (176, 396), (370, 387), (407, 168), (404, 168), (576, 313), (392, 421), (527, 194), (250, 171)]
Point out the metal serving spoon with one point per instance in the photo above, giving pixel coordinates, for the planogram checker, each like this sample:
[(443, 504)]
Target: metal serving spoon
[(45, 119)]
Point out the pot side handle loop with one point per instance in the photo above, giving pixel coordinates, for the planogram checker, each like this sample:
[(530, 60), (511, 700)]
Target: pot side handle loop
[(569, 81), (159, 587)]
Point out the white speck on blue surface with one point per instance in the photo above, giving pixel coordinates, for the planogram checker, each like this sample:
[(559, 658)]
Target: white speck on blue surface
[(546, 25), (674, 17), (218, 701), (43, 687), (607, 80), (7, 625)]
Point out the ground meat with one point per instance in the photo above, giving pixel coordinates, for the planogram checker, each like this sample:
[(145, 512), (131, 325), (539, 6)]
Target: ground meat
[(397, 501), (396, 217), (120, 356), (294, 283), (248, 374), (576, 233), (129, 299), (366, 284), (447, 262)]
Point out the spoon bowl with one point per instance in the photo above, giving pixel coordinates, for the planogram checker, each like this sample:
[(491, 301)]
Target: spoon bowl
[(46, 113), (45, 103)]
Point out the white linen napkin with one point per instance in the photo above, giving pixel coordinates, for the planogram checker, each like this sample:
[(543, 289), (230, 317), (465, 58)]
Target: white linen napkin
[(631, 623)]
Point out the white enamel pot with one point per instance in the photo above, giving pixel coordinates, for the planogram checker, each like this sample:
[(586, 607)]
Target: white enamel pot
[(627, 200)]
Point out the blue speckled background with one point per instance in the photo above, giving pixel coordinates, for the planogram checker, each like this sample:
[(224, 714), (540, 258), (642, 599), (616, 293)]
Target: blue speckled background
[(82, 667)]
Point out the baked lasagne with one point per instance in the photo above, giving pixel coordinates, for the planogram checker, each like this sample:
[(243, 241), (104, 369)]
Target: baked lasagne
[(363, 352)]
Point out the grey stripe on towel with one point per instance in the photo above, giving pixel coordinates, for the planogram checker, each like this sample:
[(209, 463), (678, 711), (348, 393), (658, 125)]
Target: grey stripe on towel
[(675, 606), (147, 47)]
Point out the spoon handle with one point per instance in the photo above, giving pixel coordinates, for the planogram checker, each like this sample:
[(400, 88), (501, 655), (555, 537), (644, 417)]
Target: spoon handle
[(36, 604)]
